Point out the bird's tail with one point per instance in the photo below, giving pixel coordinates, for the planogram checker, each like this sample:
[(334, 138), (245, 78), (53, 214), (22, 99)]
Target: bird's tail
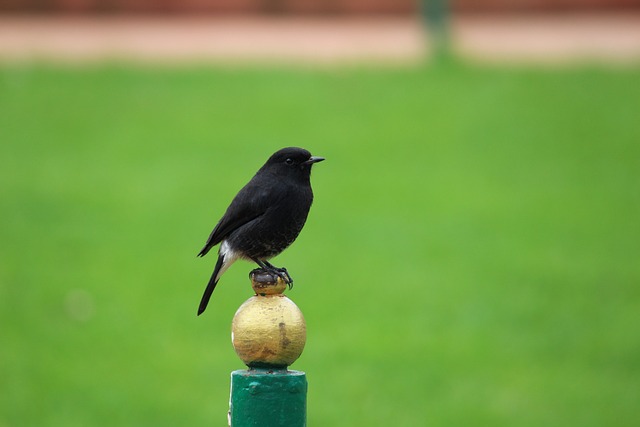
[(212, 284)]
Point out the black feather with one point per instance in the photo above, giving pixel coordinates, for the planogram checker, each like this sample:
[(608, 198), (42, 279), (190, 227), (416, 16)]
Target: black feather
[(210, 286)]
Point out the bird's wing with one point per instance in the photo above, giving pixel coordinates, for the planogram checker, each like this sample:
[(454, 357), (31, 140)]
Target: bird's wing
[(251, 202)]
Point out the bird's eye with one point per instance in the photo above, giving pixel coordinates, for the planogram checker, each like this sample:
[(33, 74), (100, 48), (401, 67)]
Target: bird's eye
[(289, 161)]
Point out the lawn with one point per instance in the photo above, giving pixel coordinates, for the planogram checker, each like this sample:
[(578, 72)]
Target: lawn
[(471, 258)]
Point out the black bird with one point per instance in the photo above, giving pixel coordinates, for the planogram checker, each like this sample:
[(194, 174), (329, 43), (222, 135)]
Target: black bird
[(265, 217)]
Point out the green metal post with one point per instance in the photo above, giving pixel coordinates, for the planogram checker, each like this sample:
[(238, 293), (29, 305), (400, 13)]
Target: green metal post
[(436, 16), (268, 398)]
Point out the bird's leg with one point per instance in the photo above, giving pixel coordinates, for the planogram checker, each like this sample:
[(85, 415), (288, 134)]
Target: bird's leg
[(280, 272)]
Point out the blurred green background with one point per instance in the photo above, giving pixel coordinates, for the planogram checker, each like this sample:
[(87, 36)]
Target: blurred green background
[(471, 257)]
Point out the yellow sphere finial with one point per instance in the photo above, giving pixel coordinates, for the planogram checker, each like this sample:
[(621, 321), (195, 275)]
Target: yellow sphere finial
[(268, 330)]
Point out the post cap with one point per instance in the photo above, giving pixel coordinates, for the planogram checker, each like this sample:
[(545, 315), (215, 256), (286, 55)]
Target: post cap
[(265, 283), (268, 330)]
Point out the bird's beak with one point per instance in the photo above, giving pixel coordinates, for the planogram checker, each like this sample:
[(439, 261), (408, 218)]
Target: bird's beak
[(313, 159)]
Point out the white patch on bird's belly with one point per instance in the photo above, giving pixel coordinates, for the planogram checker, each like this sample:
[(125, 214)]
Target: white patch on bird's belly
[(226, 250), (230, 256)]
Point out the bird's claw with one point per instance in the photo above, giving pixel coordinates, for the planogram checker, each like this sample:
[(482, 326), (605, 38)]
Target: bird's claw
[(280, 272), (284, 275)]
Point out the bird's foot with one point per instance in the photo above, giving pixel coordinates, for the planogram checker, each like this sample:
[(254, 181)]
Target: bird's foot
[(282, 273)]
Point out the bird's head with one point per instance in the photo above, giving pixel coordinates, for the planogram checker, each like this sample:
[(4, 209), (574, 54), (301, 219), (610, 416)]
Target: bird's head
[(292, 161)]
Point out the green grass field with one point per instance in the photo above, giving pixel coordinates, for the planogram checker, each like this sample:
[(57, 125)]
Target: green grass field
[(472, 256)]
